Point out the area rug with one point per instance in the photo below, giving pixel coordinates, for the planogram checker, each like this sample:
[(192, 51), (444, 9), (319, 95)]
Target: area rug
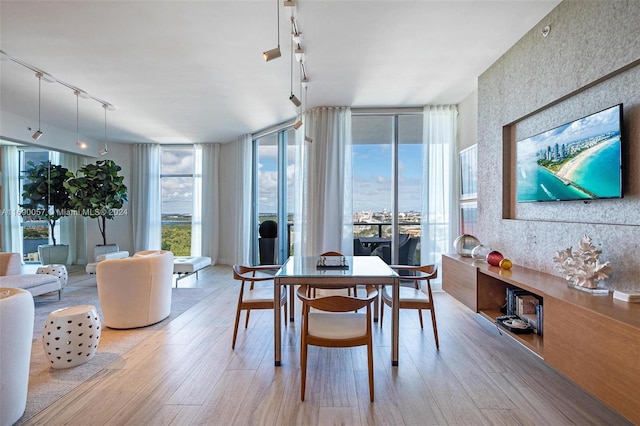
[(47, 385)]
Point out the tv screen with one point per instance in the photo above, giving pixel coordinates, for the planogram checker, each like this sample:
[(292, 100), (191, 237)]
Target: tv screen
[(580, 160)]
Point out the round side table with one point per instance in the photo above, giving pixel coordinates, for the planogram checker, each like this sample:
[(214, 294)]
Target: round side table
[(71, 335), (59, 271)]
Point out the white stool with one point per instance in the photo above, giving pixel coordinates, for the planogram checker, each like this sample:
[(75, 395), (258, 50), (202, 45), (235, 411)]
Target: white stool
[(59, 271), (71, 335)]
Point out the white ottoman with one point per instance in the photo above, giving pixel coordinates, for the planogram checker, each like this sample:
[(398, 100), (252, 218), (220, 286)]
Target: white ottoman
[(16, 332), (71, 335), (59, 271), (187, 265)]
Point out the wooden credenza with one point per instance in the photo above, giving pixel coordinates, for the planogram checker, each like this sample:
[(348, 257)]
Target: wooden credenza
[(592, 339)]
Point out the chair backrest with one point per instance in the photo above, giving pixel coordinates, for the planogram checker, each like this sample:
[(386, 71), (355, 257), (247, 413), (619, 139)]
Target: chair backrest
[(332, 253), (337, 303), (248, 273), (417, 273), (359, 249), (10, 264)]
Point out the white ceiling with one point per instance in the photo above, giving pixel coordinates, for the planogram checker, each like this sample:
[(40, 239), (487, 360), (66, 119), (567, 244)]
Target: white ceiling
[(192, 71)]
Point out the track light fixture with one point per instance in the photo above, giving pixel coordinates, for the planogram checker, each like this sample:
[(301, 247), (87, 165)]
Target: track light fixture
[(79, 143), (275, 52), (104, 150), (297, 124), (38, 134), (308, 139), (306, 99), (294, 99), (289, 3), (299, 53)]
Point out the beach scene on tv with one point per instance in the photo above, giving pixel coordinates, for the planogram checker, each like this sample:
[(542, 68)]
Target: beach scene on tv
[(577, 161)]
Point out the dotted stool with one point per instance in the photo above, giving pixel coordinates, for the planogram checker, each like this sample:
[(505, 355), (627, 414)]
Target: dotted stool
[(59, 271), (71, 336)]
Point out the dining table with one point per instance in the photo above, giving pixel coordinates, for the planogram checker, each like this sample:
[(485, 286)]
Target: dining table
[(352, 270)]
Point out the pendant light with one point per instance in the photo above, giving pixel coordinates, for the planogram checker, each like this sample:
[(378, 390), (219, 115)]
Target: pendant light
[(294, 100), (104, 150), (38, 133), (79, 143), (275, 52)]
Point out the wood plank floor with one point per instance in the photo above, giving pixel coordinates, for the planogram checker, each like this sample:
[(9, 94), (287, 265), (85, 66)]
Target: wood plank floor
[(187, 373)]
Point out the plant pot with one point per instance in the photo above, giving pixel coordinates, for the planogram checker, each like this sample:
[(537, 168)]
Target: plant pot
[(53, 255), (102, 249)]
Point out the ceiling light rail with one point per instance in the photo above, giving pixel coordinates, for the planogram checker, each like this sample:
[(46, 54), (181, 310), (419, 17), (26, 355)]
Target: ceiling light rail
[(51, 79)]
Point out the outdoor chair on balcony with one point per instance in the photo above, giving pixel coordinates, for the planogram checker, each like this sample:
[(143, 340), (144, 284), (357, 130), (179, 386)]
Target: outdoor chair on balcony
[(359, 249)]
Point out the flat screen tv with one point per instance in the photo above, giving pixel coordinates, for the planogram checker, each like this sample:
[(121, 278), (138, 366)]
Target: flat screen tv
[(580, 160)]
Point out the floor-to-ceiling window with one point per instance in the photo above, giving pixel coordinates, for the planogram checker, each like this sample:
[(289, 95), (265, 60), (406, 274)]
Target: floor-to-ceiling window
[(35, 231), (177, 175), (274, 195), (387, 179)]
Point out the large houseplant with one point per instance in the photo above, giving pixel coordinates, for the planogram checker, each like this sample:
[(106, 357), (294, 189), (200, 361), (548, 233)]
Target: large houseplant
[(98, 192), (46, 198)]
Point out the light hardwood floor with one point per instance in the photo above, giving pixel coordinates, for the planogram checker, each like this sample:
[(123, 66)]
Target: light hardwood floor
[(187, 373)]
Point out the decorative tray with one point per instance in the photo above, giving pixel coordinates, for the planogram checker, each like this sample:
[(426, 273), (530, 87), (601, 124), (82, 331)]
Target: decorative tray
[(332, 262)]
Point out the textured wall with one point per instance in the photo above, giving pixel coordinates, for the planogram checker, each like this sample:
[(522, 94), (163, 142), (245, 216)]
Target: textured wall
[(543, 82)]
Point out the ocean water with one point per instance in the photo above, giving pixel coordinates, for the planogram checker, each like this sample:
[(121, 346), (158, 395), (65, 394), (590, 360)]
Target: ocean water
[(598, 173)]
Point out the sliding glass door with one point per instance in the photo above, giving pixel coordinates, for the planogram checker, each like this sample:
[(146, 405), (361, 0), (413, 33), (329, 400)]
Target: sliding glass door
[(387, 184), (274, 196)]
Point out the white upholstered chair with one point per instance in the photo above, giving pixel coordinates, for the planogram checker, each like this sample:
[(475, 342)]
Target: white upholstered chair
[(135, 291), (16, 334)]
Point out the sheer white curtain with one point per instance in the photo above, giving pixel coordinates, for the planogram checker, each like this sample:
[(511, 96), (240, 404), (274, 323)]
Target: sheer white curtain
[(11, 238), (146, 207), (205, 228), (438, 200), (323, 217), (243, 222)]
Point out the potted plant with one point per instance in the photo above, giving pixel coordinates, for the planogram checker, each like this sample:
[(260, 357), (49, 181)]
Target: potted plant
[(46, 198), (98, 192)]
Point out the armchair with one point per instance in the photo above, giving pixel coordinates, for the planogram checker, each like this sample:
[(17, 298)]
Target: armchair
[(135, 291)]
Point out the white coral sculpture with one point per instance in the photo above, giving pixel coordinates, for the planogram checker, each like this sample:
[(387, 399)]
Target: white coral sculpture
[(583, 268)]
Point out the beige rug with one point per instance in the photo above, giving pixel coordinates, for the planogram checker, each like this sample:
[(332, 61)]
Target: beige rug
[(47, 385)]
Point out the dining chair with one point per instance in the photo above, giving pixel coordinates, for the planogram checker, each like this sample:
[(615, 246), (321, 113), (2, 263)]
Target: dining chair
[(419, 297), (334, 324), (255, 297), (349, 288)]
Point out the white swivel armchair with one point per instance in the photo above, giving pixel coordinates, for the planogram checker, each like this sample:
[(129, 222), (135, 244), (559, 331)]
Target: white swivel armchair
[(136, 291)]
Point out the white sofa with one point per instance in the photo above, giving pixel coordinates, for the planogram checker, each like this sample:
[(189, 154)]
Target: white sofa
[(36, 284), (135, 291), (16, 333)]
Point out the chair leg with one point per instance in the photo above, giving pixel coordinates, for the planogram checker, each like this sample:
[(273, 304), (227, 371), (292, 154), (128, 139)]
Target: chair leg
[(370, 366), (435, 327), (381, 310), (303, 366), (246, 322), (420, 316), (235, 328)]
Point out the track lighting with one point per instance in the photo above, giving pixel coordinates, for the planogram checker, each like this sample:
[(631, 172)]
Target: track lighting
[(289, 3), (299, 53), (104, 150), (297, 124), (272, 54), (275, 52), (294, 100), (308, 139), (38, 134), (79, 143)]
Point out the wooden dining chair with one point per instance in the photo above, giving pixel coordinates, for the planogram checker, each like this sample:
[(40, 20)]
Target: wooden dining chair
[(255, 297), (349, 288), (334, 324), (419, 297)]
